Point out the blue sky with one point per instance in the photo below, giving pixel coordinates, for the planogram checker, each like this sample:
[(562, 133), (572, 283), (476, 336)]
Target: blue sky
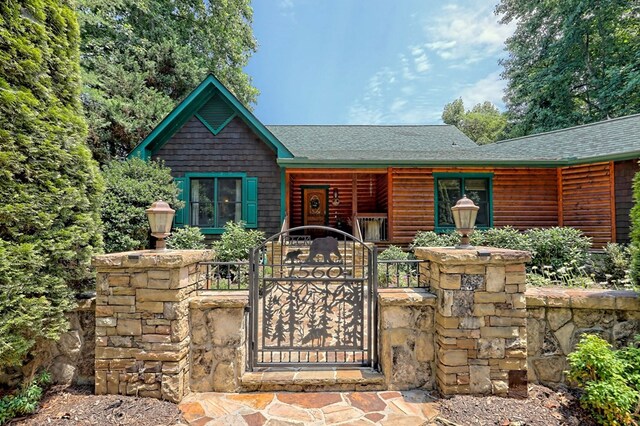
[(373, 61)]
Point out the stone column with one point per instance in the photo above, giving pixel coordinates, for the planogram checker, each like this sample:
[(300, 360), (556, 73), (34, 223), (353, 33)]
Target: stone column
[(481, 334), (142, 321)]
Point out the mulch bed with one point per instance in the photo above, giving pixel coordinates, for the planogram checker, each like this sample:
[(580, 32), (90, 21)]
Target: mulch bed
[(78, 406), (544, 407)]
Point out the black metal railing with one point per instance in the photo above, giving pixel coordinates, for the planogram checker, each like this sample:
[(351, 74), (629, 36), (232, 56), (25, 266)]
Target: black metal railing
[(402, 274), (224, 275)]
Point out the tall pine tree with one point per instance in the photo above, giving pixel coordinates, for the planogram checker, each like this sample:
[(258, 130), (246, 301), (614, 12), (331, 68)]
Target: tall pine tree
[(141, 57), (571, 62), (49, 185)]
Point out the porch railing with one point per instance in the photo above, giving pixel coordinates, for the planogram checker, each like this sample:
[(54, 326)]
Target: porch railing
[(373, 226), (402, 274), (224, 275)]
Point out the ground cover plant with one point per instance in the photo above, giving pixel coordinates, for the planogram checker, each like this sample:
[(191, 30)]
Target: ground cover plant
[(609, 379), (25, 400)]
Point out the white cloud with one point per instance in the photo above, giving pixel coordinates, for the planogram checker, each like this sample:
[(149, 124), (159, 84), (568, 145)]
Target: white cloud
[(490, 88), (468, 34), (287, 8)]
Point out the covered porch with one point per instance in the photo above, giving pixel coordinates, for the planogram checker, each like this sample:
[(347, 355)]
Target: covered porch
[(354, 201)]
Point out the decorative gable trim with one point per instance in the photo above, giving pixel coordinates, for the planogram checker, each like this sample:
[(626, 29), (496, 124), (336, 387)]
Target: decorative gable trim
[(192, 105)]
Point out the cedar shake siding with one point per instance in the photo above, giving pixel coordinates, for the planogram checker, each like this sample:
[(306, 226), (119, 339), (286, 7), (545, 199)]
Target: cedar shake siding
[(236, 148), (624, 173)]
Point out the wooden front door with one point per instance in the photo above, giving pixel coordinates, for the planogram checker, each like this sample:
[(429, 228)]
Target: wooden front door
[(314, 207)]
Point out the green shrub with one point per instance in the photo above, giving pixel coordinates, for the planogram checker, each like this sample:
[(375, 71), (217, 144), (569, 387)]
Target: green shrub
[(506, 238), (50, 188), (393, 253), (132, 186), (187, 238), (236, 242), (431, 239), (604, 376), (635, 231), (25, 401), (557, 247)]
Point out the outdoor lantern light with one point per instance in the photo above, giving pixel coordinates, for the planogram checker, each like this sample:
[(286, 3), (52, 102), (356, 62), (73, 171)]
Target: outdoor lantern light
[(336, 199), (464, 215), (160, 219)]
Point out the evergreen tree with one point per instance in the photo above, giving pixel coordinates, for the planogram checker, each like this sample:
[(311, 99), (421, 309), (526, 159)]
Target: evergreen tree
[(571, 62), (49, 185), (141, 57)]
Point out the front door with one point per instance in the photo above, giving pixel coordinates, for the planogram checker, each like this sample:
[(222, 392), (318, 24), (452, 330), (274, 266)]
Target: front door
[(314, 208)]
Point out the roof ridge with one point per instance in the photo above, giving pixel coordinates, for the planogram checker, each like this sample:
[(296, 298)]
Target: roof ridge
[(359, 125), (595, 123)]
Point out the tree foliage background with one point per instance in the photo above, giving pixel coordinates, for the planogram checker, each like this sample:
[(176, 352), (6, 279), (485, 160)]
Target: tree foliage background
[(483, 123), (49, 185), (570, 62), (141, 57)]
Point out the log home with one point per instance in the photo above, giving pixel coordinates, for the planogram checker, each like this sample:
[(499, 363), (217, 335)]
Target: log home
[(385, 183)]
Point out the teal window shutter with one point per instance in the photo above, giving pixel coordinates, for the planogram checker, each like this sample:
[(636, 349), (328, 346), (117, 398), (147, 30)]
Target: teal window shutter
[(181, 214), (251, 202)]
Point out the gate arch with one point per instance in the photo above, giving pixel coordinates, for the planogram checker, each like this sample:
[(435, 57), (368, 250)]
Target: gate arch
[(312, 302)]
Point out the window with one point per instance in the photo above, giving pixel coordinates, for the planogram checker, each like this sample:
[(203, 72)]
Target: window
[(451, 187), (213, 199)]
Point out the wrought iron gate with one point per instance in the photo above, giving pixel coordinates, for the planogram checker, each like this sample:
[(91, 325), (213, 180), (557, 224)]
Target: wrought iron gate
[(312, 302)]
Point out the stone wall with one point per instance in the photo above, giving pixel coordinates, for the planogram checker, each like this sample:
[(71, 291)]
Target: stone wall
[(556, 318), (217, 352), (406, 338), (480, 331), (70, 360), (142, 321)]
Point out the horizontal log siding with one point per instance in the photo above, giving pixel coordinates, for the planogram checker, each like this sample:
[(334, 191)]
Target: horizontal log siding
[(525, 198), (343, 183), (367, 190), (624, 173), (382, 194), (586, 201), (235, 149), (412, 203)]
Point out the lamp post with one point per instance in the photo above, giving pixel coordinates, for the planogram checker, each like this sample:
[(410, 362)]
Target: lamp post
[(160, 219), (464, 215)]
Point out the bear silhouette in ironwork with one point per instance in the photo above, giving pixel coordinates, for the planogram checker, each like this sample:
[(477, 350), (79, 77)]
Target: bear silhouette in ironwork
[(324, 247), (292, 256)]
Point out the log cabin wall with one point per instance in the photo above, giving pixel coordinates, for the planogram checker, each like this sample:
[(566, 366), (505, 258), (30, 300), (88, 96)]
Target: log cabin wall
[(367, 187), (412, 203), (588, 201), (383, 193), (624, 173), (525, 198)]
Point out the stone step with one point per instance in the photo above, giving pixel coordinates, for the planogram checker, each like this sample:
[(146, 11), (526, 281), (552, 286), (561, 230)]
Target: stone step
[(313, 380)]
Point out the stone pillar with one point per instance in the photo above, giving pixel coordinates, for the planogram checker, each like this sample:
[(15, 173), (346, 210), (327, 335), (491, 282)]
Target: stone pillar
[(142, 321), (481, 334)]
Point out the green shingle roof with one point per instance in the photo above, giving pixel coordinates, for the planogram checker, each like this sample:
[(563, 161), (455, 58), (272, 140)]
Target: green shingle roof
[(442, 144), (602, 139), (338, 142)]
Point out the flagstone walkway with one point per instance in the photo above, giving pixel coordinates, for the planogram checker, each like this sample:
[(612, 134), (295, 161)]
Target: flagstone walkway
[(293, 409)]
